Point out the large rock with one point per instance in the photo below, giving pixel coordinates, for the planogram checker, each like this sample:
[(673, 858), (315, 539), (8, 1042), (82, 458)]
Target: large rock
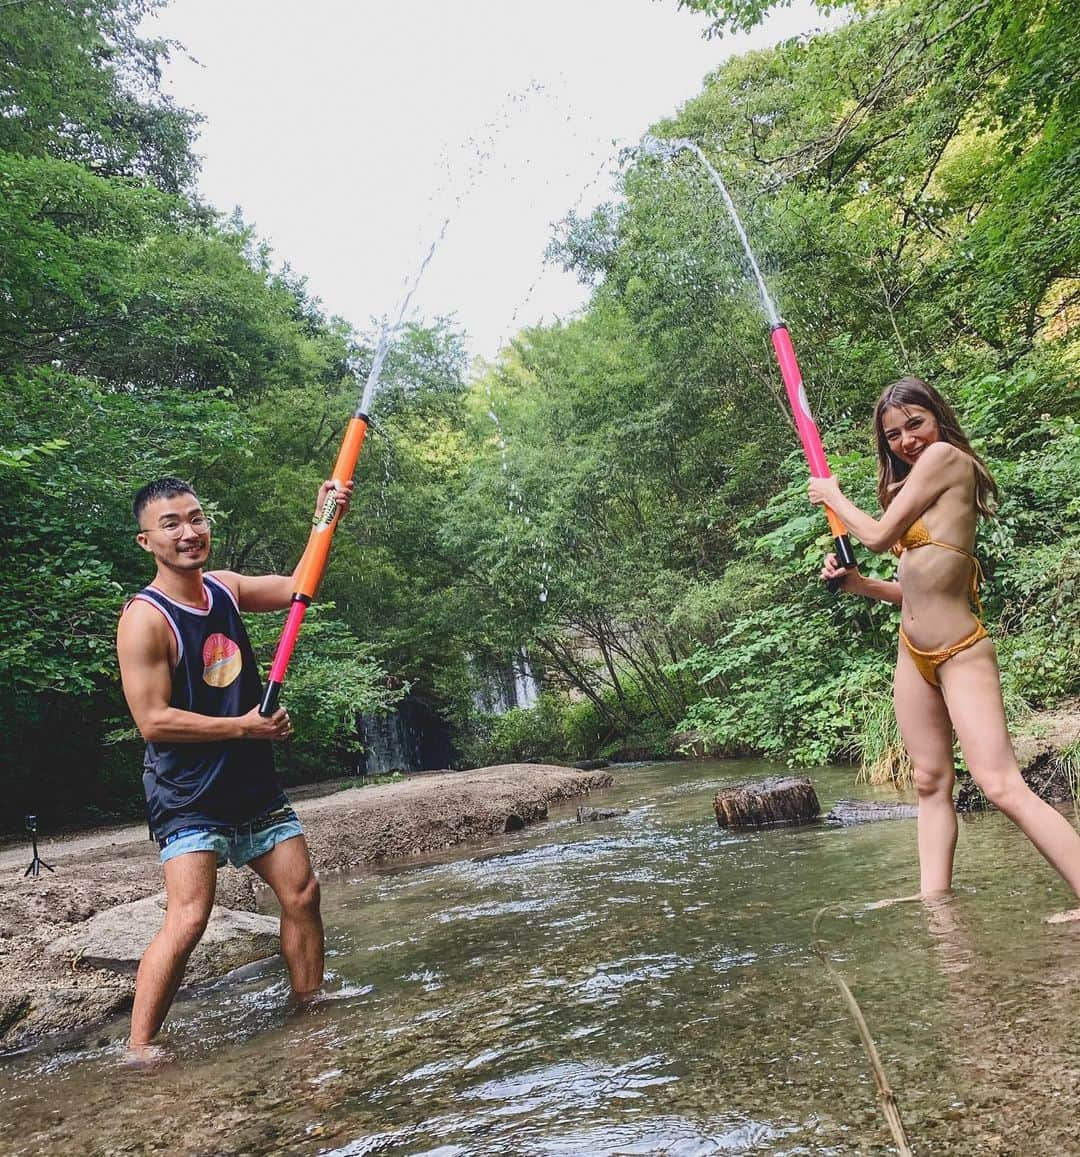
[(780, 800), (27, 1010), (116, 939), (587, 815)]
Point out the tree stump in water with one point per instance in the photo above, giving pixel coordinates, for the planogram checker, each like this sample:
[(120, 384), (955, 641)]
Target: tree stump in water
[(771, 801)]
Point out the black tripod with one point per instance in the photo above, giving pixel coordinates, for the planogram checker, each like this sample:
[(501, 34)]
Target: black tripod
[(37, 863)]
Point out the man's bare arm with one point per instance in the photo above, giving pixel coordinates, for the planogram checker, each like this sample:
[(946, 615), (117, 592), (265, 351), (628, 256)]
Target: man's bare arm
[(143, 646), (274, 592), (264, 592)]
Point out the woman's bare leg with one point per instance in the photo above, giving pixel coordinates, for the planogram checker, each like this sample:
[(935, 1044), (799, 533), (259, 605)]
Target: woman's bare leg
[(928, 738), (972, 688)]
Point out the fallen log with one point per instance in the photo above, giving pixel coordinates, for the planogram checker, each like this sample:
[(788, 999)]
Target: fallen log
[(846, 812), (780, 800)]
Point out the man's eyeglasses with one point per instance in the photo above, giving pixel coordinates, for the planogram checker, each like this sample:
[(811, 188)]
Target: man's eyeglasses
[(200, 523)]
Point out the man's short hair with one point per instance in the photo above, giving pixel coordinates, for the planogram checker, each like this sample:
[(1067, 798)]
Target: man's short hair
[(168, 487)]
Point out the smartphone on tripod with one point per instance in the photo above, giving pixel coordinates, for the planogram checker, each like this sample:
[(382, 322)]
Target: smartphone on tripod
[(37, 863)]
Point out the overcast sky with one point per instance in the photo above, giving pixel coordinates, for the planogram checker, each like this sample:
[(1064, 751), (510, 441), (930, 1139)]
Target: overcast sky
[(348, 132)]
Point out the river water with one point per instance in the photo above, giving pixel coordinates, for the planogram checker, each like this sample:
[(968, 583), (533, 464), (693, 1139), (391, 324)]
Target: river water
[(641, 985)]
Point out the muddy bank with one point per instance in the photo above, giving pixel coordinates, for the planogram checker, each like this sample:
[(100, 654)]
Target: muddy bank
[(1040, 747), (43, 993)]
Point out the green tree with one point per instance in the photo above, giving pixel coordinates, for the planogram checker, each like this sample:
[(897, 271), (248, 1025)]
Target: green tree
[(907, 192), (78, 83)]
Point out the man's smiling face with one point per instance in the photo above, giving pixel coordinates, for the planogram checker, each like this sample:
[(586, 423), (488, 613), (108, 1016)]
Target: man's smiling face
[(176, 532)]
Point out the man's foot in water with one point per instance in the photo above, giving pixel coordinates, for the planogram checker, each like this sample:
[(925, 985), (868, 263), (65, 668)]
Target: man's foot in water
[(300, 1002), (146, 1058)]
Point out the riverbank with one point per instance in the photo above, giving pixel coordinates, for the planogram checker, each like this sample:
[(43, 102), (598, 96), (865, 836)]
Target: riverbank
[(42, 994)]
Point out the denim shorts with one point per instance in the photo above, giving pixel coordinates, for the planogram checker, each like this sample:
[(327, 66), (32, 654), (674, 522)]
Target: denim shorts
[(239, 844)]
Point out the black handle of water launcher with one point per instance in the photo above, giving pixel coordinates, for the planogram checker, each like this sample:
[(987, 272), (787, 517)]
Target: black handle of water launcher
[(270, 700), (845, 556)]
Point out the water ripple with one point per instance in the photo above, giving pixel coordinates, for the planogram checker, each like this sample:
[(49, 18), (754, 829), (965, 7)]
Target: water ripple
[(582, 1085), (609, 979), (489, 909)]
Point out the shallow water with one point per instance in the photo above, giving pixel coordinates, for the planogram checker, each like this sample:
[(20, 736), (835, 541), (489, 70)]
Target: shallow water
[(637, 986)]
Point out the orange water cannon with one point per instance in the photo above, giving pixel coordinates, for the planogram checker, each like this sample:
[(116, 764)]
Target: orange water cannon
[(313, 563)]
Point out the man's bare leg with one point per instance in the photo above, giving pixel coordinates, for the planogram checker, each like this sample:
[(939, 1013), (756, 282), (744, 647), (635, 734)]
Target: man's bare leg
[(972, 688), (287, 869), (190, 883)]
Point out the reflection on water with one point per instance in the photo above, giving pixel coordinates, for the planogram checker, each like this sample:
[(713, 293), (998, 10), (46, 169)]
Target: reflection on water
[(637, 986)]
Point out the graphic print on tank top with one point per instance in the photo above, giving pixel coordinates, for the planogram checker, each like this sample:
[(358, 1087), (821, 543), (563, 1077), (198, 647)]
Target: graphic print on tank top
[(222, 661)]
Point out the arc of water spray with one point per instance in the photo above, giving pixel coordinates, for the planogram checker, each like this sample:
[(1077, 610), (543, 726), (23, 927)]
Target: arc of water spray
[(805, 425), (317, 552), (512, 490)]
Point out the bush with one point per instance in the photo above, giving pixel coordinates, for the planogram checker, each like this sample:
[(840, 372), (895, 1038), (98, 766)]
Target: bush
[(518, 736)]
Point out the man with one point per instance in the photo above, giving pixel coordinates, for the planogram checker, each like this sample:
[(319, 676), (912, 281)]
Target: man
[(192, 686)]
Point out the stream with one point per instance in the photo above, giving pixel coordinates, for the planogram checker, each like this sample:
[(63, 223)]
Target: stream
[(640, 985)]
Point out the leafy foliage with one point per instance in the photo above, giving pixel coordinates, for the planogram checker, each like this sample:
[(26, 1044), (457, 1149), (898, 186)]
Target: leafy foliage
[(908, 193), (78, 83), (617, 494), (334, 680)]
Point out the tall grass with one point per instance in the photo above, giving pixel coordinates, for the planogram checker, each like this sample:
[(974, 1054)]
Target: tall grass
[(882, 756), (884, 760), (1068, 762)]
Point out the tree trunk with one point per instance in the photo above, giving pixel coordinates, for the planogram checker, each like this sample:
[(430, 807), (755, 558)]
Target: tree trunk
[(770, 801)]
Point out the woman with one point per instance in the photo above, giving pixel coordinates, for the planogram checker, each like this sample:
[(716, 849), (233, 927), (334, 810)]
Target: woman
[(932, 488)]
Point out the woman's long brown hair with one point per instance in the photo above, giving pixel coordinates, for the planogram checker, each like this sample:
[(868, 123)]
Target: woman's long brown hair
[(892, 470)]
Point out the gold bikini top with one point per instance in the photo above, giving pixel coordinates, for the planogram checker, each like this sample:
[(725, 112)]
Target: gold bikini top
[(917, 535)]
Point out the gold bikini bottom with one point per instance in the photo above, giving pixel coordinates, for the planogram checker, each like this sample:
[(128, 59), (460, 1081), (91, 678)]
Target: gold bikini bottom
[(928, 662)]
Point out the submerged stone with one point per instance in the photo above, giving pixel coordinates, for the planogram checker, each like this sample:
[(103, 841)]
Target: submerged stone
[(591, 814)]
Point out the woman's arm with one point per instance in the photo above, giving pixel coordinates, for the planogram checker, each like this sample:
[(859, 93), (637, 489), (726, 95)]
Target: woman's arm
[(852, 582), (938, 467)]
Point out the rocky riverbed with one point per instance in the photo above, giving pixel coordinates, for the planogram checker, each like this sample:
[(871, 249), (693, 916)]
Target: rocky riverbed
[(58, 929)]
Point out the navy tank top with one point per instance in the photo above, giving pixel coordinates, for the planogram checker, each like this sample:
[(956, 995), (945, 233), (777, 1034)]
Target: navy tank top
[(220, 784)]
